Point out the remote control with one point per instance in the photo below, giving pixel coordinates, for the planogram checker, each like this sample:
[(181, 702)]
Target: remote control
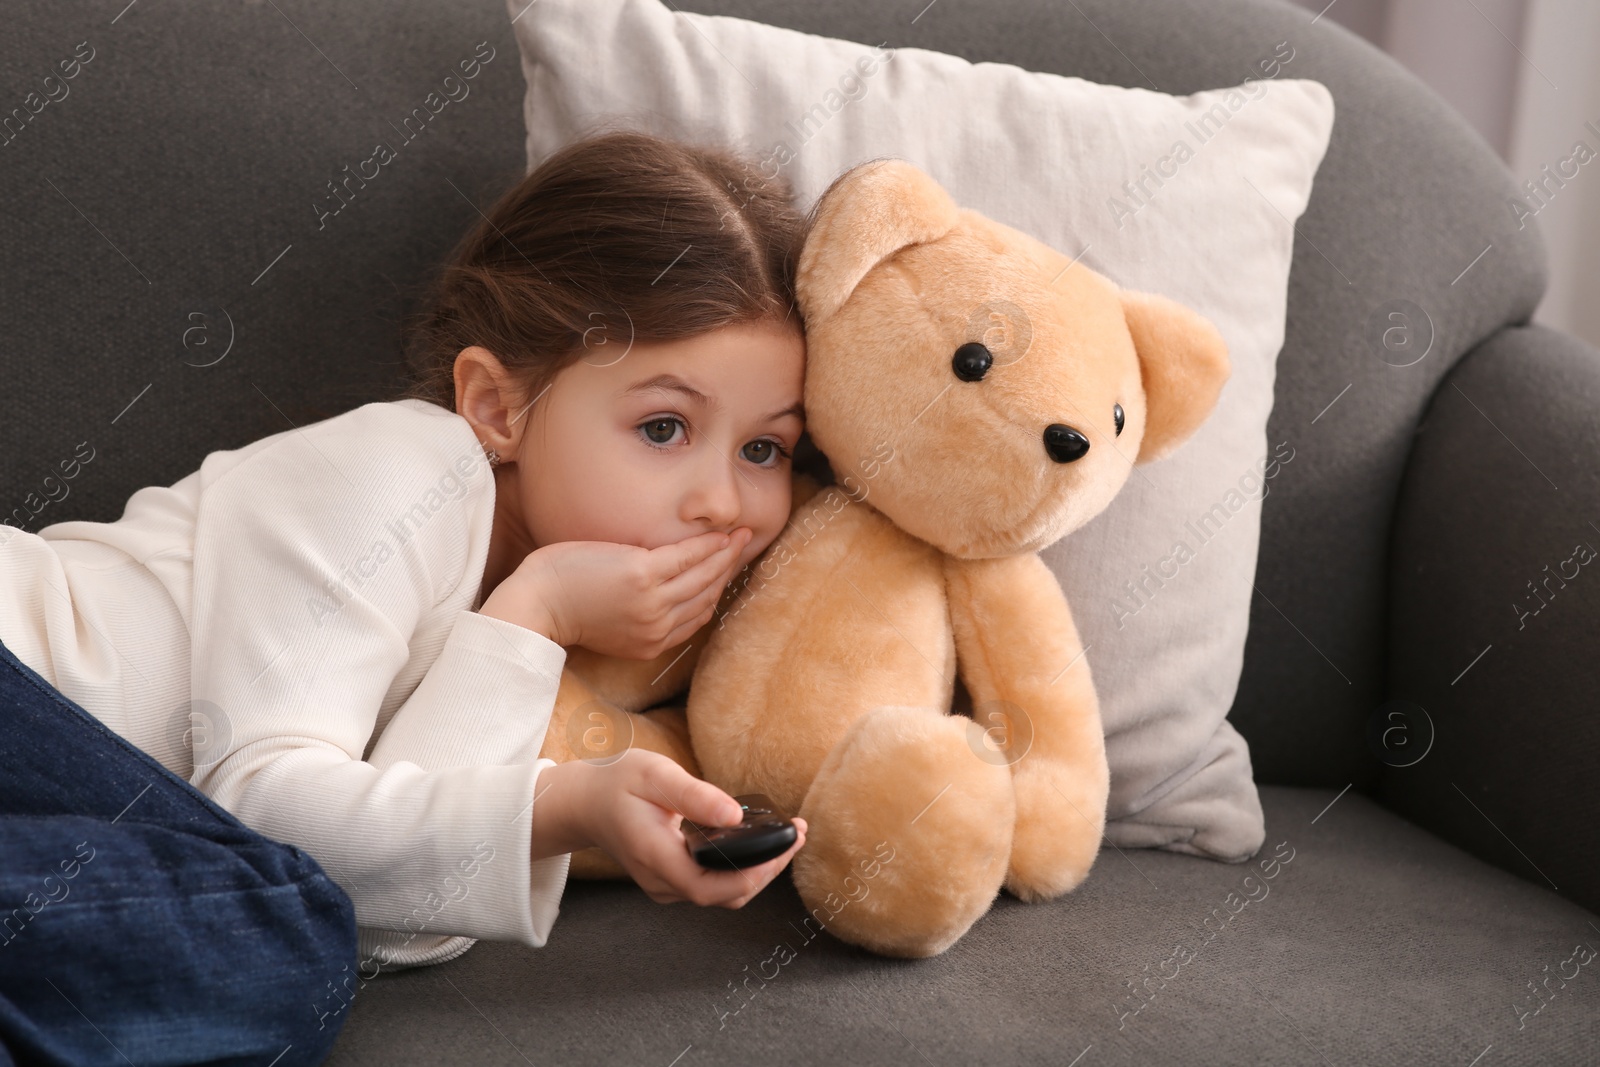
[(764, 833)]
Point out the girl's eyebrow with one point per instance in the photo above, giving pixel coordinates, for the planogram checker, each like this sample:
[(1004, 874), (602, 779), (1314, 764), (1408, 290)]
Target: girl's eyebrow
[(672, 383)]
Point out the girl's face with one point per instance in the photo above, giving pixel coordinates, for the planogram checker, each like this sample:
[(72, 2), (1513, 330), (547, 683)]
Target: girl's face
[(644, 447)]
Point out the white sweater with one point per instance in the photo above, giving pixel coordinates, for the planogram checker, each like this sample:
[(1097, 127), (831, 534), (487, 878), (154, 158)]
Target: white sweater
[(313, 595)]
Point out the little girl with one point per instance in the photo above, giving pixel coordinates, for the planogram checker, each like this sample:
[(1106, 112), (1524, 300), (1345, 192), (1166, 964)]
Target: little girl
[(349, 636)]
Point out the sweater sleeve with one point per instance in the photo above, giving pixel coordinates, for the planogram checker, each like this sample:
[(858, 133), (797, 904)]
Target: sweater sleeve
[(430, 836), (477, 706)]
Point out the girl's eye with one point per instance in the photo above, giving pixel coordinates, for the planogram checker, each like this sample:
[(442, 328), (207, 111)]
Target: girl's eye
[(656, 424), (765, 451)]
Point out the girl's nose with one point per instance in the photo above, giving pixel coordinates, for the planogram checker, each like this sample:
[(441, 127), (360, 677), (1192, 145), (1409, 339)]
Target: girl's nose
[(714, 496)]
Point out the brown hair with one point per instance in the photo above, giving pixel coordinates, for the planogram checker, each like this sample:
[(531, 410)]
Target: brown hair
[(619, 237)]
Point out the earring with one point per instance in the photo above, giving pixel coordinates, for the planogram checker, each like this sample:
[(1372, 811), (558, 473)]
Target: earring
[(491, 455)]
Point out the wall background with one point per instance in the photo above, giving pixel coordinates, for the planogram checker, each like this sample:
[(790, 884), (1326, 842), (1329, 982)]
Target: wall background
[(1526, 75)]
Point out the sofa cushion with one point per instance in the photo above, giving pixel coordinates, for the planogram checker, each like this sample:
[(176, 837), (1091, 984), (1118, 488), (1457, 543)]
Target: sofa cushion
[(1372, 942)]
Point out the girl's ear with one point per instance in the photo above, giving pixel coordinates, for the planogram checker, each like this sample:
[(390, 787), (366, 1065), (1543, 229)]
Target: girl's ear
[(869, 212), (1183, 362)]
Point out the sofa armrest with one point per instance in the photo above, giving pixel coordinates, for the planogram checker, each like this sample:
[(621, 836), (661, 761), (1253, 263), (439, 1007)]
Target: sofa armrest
[(1494, 613)]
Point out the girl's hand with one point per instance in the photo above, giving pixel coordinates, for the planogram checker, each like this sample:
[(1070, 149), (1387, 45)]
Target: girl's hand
[(632, 807), (620, 600)]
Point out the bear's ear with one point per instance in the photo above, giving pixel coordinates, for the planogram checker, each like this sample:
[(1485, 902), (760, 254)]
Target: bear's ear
[(869, 212), (1183, 362)]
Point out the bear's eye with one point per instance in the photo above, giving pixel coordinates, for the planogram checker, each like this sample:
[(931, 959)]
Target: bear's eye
[(1116, 414), (971, 361)]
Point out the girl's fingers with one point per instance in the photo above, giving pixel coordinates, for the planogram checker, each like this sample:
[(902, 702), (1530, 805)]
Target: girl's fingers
[(670, 862), (696, 799), (673, 560), (691, 614), (702, 577), (696, 606), (684, 584), (666, 865), (685, 630)]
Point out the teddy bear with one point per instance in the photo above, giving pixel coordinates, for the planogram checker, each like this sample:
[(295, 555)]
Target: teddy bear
[(978, 395), (899, 667)]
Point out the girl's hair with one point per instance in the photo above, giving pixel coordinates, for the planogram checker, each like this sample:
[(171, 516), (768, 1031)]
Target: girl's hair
[(619, 237)]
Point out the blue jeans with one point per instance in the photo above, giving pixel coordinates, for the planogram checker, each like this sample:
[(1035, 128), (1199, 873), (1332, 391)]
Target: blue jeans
[(139, 921)]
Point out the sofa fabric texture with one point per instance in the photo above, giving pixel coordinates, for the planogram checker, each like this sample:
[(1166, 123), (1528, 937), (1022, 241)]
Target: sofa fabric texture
[(1376, 943)]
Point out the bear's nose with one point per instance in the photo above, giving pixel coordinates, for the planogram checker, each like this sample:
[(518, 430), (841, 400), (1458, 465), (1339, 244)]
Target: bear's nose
[(1064, 443)]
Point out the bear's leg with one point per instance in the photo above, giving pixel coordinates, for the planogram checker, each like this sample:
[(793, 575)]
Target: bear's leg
[(908, 833), (1033, 695)]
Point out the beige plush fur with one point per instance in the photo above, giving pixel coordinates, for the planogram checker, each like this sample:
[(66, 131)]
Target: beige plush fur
[(827, 680)]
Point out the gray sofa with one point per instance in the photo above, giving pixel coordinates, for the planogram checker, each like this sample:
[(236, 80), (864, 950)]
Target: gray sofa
[(1425, 743)]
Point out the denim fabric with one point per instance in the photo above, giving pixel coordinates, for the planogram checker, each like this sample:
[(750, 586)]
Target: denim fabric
[(139, 921)]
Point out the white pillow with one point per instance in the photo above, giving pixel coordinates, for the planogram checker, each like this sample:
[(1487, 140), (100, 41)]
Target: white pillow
[(1214, 182)]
